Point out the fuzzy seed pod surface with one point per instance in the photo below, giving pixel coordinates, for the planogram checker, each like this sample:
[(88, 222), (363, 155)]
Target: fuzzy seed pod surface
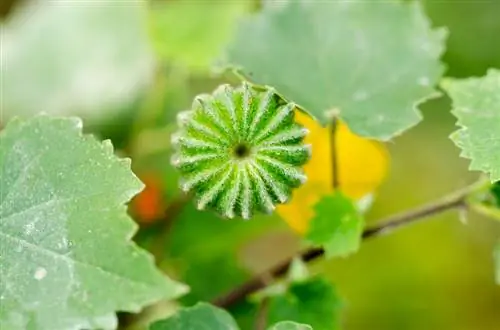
[(240, 151)]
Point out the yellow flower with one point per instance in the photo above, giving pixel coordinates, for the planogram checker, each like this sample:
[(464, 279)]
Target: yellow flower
[(361, 167)]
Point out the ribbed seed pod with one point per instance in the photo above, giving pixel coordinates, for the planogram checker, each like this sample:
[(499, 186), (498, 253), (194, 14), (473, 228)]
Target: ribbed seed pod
[(239, 150)]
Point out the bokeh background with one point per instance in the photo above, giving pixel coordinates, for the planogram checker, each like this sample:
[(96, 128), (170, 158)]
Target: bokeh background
[(127, 68)]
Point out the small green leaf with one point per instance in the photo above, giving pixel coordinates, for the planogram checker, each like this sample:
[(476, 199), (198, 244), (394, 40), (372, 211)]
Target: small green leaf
[(67, 262), (298, 270), (87, 60), (337, 225), (496, 256), (476, 104), (193, 32), (313, 302), (201, 316), (372, 62), (289, 325)]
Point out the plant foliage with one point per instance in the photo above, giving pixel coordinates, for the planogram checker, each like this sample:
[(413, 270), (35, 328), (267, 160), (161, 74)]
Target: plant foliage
[(64, 232), (476, 104), (345, 58)]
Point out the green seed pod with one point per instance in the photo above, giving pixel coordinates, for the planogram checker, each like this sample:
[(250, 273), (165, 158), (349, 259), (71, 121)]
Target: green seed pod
[(239, 150)]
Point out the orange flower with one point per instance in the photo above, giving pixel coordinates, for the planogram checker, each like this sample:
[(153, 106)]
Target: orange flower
[(148, 206)]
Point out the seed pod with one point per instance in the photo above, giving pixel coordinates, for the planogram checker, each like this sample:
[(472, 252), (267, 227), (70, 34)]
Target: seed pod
[(240, 150)]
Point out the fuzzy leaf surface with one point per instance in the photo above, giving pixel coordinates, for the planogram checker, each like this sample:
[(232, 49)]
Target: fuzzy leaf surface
[(66, 255), (371, 62), (476, 104)]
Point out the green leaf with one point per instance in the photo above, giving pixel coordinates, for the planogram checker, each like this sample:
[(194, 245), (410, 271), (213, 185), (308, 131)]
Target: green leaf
[(496, 256), (201, 316), (298, 270), (495, 193), (371, 62), (289, 325), (313, 302), (476, 104), (90, 60), (193, 32), (67, 261), (337, 225)]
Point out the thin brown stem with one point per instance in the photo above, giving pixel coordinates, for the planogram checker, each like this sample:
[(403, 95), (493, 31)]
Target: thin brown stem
[(261, 320), (386, 226), (414, 215), (334, 154)]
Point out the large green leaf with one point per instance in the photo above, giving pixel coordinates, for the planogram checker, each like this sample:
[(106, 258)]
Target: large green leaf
[(313, 302), (85, 59), (201, 316), (372, 62), (66, 261), (337, 225), (476, 104), (289, 325), (193, 32)]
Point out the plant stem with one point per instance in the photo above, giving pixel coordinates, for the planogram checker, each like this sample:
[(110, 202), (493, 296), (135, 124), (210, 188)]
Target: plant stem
[(334, 154), (387, 225), (414, 215), (261, 321)]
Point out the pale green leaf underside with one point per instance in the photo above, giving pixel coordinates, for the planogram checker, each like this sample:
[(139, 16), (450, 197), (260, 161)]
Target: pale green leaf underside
[(337, 226), (66, 259), (201, 316), (289, 325), (370, 61), (476, 104), (83, 59)]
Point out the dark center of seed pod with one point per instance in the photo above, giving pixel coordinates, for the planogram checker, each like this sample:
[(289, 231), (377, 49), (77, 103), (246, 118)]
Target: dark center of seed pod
[(241, 151)]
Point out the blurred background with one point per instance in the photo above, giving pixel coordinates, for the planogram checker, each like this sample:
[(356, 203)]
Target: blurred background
[(127, 68)]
